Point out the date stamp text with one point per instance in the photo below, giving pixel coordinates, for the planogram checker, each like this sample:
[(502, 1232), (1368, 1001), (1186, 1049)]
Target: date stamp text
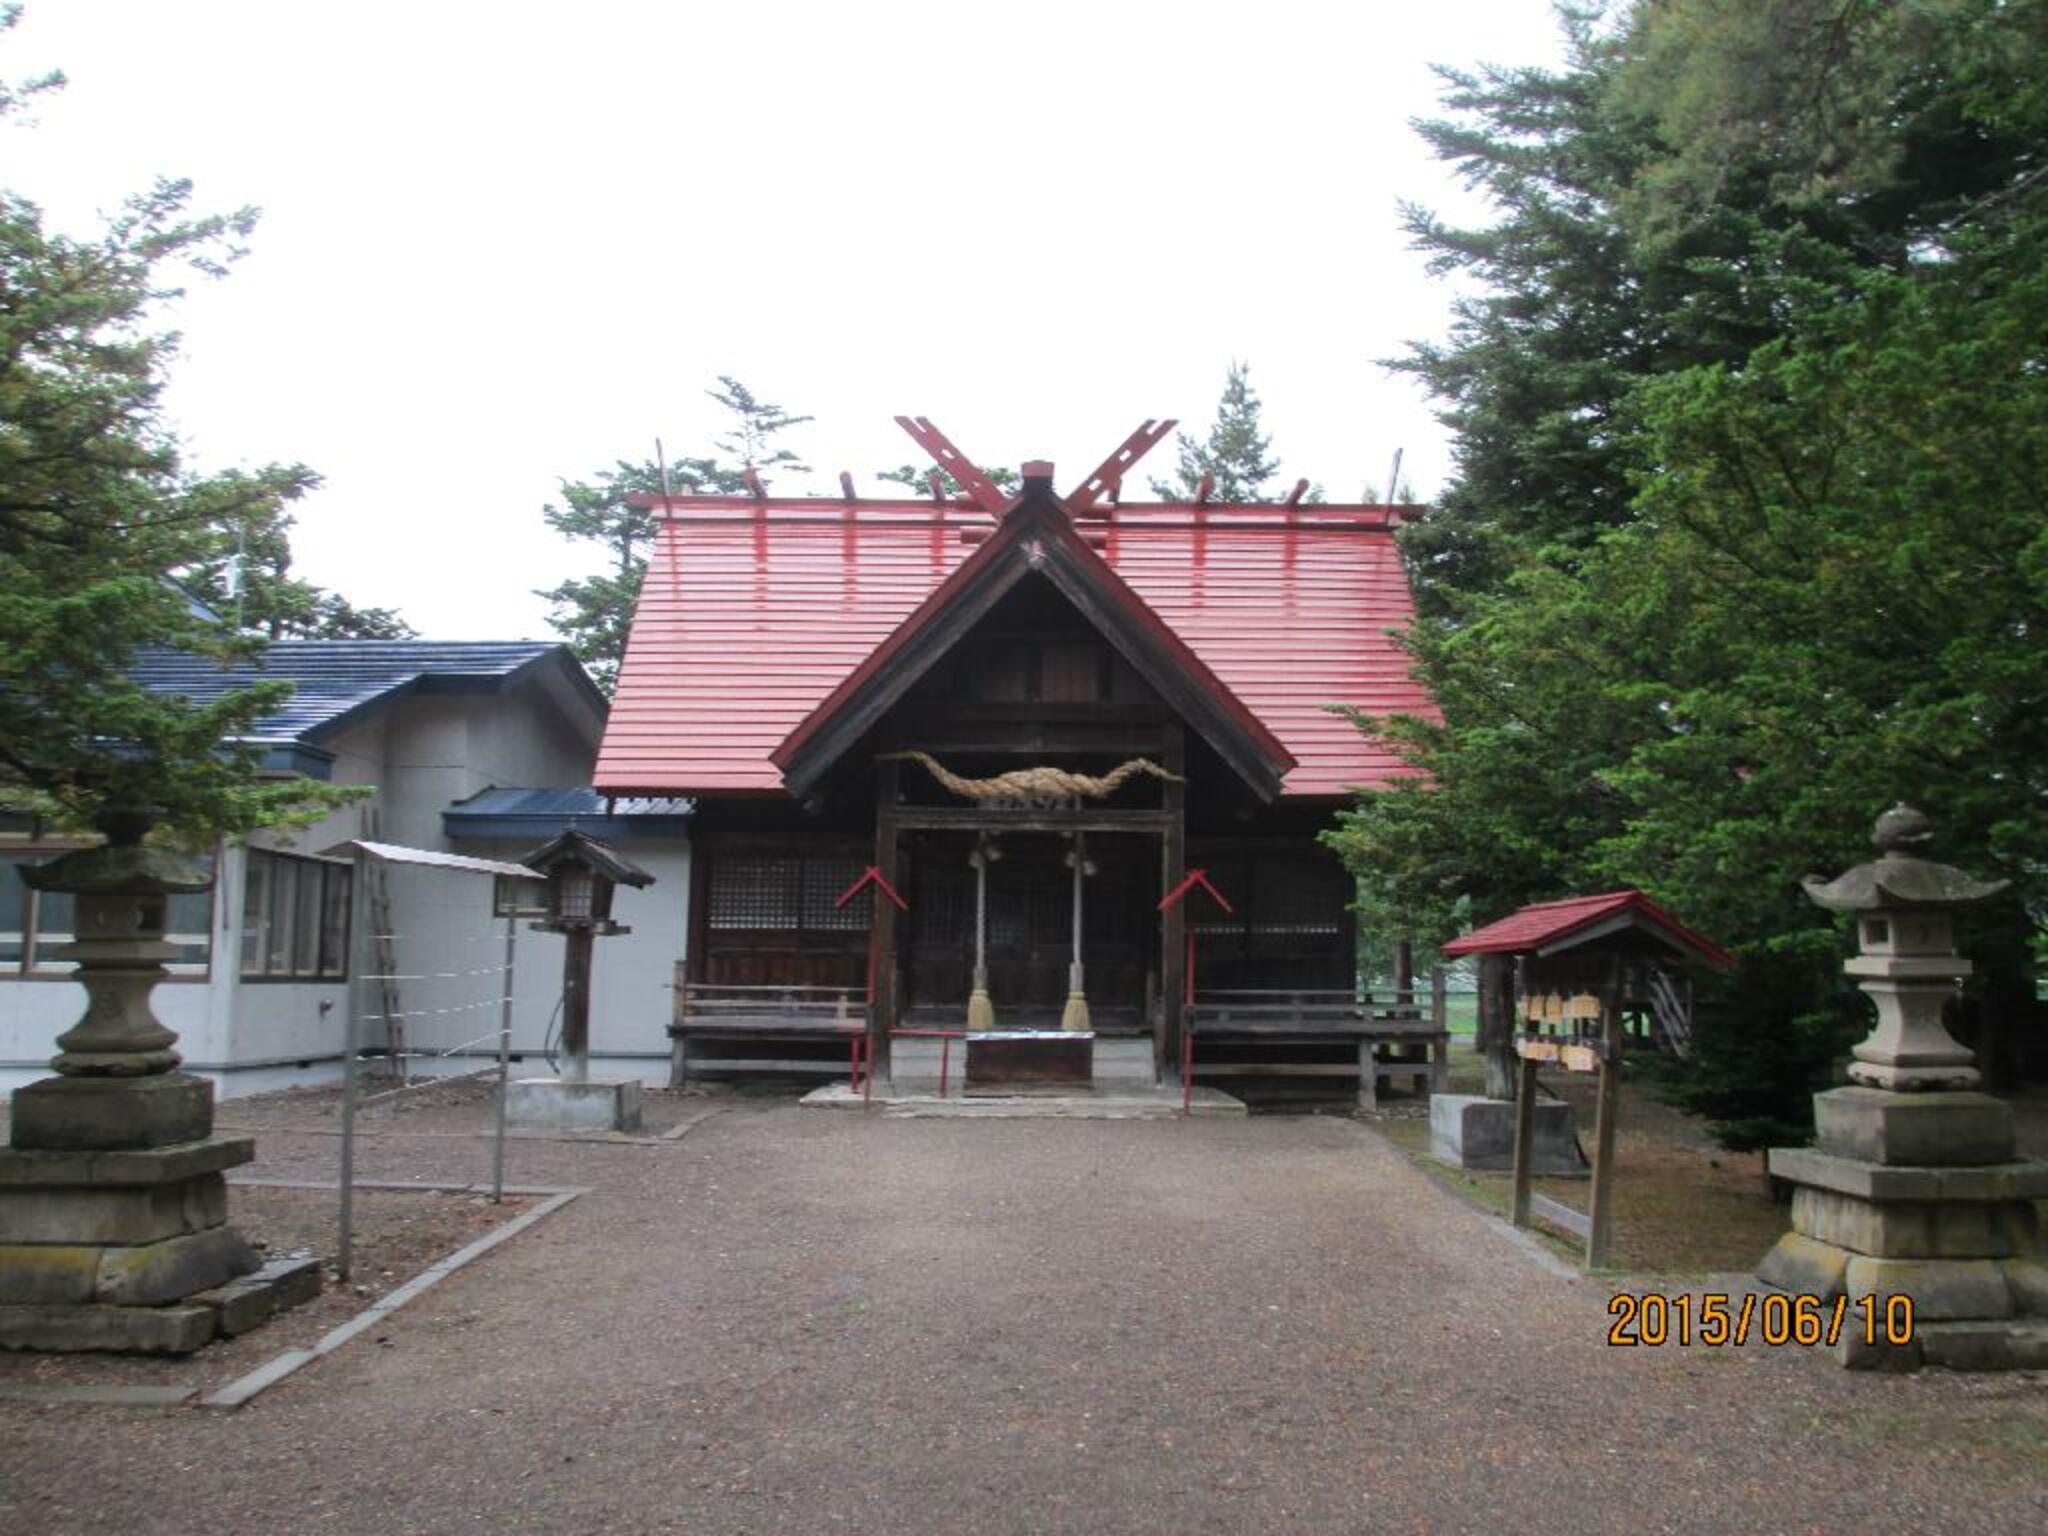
[(1649, 1319)]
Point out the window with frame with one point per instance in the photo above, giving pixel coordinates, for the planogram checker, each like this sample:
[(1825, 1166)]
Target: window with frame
[(34, 925), (792, 891), (294, 918)]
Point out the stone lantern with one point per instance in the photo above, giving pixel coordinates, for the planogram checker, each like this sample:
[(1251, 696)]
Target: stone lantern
[(113, 1208), (1908, 965), (1912, 1190)]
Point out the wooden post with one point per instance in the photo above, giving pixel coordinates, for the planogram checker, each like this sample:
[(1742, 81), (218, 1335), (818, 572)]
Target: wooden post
[(697, 920), (1173, 923), (1525, 1140), (1404, 973), (1600, 1229), (1440, 1021), (576, 956), (882, 920)]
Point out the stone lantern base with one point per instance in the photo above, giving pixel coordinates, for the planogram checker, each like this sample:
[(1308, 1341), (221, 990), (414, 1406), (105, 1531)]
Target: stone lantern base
[(113, 1213), (1919, 1194)]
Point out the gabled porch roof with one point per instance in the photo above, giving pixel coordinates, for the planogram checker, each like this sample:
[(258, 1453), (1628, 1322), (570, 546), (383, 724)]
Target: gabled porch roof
[(1034, 536)]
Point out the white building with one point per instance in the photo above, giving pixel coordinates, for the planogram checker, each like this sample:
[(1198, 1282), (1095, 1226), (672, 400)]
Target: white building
[(449, 733)]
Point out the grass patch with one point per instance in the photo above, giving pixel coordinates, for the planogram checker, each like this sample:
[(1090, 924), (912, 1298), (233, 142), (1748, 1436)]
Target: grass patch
[(1683, 1206), (2001, 1431)]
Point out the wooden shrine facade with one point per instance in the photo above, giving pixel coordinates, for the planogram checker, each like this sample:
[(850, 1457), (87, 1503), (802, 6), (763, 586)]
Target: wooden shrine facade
[(844, 687)]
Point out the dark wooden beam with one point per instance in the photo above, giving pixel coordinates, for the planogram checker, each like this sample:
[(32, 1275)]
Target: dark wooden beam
[(1173, 929), (974, 818), (882, 919), (696, 930), (1033, 746), (1294, 496)]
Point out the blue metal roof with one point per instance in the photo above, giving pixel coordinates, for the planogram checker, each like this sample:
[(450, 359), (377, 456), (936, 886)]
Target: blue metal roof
[(335, 682), (546, 813)]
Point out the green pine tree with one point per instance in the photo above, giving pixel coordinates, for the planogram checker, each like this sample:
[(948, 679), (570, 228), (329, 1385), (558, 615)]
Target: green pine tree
[(1235, 453), (1744, 543), (919, 478), (246, 578), (595, 613), (98, 517)]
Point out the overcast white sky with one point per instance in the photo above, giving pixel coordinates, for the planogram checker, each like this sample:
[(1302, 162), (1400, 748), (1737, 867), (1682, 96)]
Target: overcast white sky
[(508, 243)]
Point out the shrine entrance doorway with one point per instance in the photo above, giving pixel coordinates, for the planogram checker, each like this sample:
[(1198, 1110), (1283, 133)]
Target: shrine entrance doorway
[(1030, 929)]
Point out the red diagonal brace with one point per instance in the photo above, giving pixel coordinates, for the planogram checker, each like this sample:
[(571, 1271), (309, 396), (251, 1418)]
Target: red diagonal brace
[(873, 876), (1111, 474), (981, 490), (1197, 879)]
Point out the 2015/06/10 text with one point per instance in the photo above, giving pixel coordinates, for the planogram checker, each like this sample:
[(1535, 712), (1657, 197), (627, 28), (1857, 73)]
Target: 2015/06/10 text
[(1651, 1318)]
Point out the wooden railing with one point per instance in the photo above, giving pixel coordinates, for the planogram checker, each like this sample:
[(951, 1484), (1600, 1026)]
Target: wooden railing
[(1284, 1017), (712, 1012)]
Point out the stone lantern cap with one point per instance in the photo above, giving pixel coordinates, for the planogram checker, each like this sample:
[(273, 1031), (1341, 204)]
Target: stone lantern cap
[(121, 869), (1898, 879)]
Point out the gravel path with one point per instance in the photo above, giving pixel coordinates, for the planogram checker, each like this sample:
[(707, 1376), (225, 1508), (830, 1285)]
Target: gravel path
[(809, 1321)]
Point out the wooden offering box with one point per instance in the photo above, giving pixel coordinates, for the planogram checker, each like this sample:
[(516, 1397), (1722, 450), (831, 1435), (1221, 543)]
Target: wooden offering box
[(1004, 1061)]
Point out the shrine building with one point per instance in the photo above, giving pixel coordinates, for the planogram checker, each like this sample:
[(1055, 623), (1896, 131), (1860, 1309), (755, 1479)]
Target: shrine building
[(894, 713)]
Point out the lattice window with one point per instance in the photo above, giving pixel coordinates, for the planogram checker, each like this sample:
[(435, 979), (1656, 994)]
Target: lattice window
[(944, 910), (1233, 879), (824, 881), (1298, 896), (1009, 916), (753, 890), (789, 892)]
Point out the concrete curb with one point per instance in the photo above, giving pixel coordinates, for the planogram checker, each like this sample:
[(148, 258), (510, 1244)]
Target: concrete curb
[(244, 1388), (121, 1397), (1531, 1246), (512, 1133), (678, 1132), (1545, 1259)]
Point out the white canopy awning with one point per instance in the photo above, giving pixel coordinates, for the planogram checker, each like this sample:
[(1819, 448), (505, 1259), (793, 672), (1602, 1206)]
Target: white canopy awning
[(394, 853)]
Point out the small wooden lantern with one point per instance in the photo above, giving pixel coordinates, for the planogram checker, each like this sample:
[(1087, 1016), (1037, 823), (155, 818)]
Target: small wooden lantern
[(582, 873)]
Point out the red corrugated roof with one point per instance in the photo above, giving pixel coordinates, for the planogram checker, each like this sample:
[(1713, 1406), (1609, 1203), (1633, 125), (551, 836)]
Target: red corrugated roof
[(753, 612), (1544, 923)]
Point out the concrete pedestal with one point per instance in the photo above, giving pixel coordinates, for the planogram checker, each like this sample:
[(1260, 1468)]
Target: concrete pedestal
[(1919, 1194), (101, 1245), (1468, 1130), (562, 1104)]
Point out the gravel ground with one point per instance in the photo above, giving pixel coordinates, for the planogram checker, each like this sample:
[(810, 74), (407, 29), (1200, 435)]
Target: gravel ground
[(801, 1320), (398, 1233)]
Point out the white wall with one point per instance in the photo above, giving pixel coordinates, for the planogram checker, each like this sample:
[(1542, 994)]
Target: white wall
[(631, 974), (33, 1012), (226, 1027), (424, 753)]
